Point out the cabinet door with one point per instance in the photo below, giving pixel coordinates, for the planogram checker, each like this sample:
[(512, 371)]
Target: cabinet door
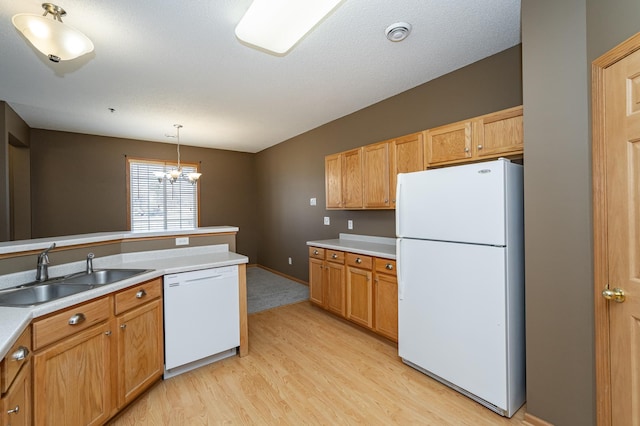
[(333, 180), (376, 175), (316, 281), (359, 297), (73, 380), (16, 404), (140, 350), (449, 144), (352, 179), (335, 288), (386, 306), (406, 156), (500, 134)]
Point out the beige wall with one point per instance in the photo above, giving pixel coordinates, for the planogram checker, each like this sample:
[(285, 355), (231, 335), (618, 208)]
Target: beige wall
[(291, 173), (93, 198)]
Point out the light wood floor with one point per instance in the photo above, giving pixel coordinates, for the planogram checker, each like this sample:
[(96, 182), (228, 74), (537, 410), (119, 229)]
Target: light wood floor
[(307, 367)]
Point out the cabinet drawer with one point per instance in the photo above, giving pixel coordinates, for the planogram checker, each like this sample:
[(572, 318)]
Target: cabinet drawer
[(70, 321), (385, 266), (16, 357), (335, 256), (359, 261), (316, 252), (138, 295)]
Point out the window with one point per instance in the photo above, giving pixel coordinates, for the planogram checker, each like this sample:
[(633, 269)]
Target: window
[(158, 205)]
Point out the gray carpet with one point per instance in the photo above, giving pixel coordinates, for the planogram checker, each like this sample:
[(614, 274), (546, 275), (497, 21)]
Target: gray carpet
[(266, 290)]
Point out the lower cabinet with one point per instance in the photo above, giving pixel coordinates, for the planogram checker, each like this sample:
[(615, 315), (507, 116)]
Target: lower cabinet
[(15, 375), (94, 358), (362, 289)]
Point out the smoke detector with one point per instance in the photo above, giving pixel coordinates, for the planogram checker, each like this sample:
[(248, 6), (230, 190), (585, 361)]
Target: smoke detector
[(398, 31)]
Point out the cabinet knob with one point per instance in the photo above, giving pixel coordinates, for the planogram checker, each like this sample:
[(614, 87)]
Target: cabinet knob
[(123, 326), (14, 410), (389, 266), (479, 146), (77, 319), (141, 294), (358, 260), (466, 150), (315, 252), (20, 354), (107, 333), (334, 256), (386, 200)]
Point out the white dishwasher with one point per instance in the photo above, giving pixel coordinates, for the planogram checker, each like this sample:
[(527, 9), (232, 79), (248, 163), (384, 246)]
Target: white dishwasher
[(201, 318)]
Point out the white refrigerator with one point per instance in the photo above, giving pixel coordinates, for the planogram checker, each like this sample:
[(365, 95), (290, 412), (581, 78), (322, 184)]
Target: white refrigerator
[(461, 279)]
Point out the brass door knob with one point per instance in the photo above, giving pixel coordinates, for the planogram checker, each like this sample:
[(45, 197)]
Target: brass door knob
[(616, 294)]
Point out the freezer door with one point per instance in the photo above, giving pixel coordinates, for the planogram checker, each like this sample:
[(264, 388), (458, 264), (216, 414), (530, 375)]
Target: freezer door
[(462, 203), (452, 314)]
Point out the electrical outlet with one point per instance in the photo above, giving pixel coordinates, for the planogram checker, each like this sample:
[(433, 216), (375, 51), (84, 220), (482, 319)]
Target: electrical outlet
[(290, 261), (182, 241), (327, 220), (349, 224), (312, 202)]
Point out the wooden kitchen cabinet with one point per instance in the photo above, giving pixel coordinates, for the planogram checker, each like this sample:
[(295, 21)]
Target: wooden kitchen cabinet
[(448, 144), (500, 134), (326, 279), (140, 339), (333, 180), (376, 183), (72, 379), (386, 299), (407, 155), (15, 372), (343, 180), (359, 290)]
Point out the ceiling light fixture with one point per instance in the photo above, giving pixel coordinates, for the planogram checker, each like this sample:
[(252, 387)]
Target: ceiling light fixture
[(56, 40), (398, 31), (176, 173), (277, 25)]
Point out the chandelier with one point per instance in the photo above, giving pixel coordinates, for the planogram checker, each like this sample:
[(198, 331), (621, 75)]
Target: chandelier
[(177, 173)]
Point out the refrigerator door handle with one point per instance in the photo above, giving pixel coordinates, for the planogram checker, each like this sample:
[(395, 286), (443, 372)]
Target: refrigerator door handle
[(398, 204), (399, 271)]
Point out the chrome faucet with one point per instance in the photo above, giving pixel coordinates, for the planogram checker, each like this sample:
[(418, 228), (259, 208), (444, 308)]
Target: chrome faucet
[(90, 257), (42, 269)]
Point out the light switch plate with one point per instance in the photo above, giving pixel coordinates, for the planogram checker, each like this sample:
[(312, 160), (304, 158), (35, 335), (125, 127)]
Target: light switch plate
[(349, 224), (182, 241), (312, 202), (327, 220)]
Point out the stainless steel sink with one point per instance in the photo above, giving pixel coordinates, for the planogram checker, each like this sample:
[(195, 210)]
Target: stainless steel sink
[(102, 276), (37, 294)]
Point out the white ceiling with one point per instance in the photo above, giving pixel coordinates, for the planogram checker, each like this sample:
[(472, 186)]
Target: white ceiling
[(163, 62)]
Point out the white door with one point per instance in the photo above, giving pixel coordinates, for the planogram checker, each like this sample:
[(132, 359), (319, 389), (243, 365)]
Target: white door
[(462, 203), (452, 314)]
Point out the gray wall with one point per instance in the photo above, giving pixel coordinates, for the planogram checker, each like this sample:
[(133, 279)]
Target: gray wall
[(291, 173), (94, 198), (560, 40)]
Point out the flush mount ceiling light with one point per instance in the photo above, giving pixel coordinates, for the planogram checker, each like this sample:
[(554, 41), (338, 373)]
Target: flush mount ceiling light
[(277, 25), (55, 39), (177, 173), (398, 31)]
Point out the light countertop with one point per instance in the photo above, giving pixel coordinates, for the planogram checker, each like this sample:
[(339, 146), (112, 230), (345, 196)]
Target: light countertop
[(362, 244), (69, 240), (13, 321)]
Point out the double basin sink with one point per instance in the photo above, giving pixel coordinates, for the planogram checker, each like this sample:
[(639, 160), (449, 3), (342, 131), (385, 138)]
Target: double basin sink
[(35, 293)]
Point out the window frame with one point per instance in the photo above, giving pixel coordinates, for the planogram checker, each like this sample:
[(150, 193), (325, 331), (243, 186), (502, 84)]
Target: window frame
[(165, 163)]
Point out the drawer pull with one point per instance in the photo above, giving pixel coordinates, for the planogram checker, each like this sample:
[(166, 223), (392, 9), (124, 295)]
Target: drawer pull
[(20, 354), (358, 260), (141, 294), (334, 256), (14, 411), (77, 319), (315, 252), (389, 266)]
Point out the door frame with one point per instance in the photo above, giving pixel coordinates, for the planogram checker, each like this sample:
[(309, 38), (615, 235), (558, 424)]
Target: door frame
[(600, 264)]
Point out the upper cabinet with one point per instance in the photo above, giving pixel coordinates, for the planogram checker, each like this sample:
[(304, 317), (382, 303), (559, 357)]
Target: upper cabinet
[(366, 177)]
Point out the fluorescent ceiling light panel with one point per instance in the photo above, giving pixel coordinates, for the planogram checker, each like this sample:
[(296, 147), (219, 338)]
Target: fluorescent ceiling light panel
[(277, 25)]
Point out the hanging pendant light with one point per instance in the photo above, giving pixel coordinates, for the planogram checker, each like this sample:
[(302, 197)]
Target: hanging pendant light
[(55, 39), (177, 173)]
